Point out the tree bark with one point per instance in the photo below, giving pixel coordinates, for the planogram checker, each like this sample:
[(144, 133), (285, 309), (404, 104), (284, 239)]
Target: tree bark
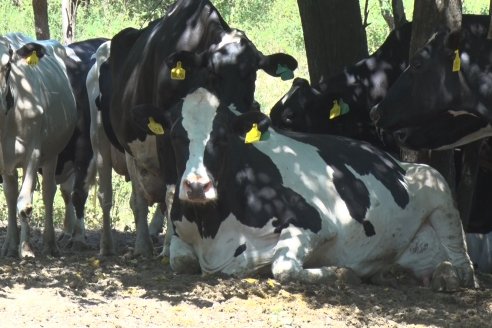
[(387, 13), (41, 26), (399, 16), (333, 35), (69, 19)]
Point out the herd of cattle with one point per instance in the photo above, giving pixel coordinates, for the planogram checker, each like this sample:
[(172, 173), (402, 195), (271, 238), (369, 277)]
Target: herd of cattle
[(308, 190)]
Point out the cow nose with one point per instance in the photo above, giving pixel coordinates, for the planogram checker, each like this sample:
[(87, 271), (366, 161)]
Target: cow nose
[(375, 114), (196, 190)]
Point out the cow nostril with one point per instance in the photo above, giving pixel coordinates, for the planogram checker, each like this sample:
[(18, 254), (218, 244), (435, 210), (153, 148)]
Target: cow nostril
[(207, 186)]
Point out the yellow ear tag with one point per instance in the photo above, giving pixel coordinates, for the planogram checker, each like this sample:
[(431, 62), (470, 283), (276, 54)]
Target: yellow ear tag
[(456, 61), (32, 59), (178, 72), (155, 127), (253, 135), (335, 111)]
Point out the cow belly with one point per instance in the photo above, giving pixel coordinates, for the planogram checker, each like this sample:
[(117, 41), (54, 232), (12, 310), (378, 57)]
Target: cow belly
[(236, 249)]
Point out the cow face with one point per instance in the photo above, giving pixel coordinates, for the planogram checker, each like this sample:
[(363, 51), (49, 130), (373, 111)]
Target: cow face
[(228, 68), (201, 130), (429, 87)]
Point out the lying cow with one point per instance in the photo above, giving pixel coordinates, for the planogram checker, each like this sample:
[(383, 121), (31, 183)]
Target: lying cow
[(300, 204), (38, 118), (158, 65)]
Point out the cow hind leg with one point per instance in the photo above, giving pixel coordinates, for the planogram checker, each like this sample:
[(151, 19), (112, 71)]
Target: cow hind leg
[(143, 242), (9, 247), (49, 190), (447, 224), (293, 248), (69, 220)]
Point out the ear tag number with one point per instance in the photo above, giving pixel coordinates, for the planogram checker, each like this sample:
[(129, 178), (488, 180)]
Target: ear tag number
[(456, 61), (178, 72), (32, 59), (253, 135), (155, 127), (284, 72)]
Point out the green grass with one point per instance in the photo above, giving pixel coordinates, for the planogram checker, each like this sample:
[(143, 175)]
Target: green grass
[(274, 26)]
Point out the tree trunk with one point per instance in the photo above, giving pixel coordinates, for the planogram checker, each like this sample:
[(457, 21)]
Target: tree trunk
[(41, 26), (428, 15), (333, 35), (398, 13), (387, 13), (69, 19)]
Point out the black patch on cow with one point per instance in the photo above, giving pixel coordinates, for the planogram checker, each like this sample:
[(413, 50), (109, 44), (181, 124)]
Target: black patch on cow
[(368, 228), (240, 250)]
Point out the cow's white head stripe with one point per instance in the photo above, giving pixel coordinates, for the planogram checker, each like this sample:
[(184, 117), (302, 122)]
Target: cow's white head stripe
[(198, 111)]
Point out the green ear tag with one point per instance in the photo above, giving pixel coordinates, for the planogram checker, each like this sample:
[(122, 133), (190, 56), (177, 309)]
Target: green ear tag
[(284, 72), (344, 108), (155, 127)]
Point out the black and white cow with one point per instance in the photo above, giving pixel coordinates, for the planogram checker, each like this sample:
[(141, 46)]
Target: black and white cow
[(300, 204), (341, 104), (107, 157), (157, 66), (37, 120), (444, 98)]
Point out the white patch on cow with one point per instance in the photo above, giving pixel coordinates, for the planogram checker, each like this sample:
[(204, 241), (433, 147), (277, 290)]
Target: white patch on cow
[(198, 111), (217, 254), (233, 37), (71, 54)]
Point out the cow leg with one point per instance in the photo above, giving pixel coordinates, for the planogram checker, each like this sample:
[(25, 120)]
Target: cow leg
[(84, 178), (447, 224), (102, 153), (9, 247), (157, 222), (24, 202), (182, 257), (69, 220), (169, 224), (143, 242), (49, 190), (294, 247), (485, 260)]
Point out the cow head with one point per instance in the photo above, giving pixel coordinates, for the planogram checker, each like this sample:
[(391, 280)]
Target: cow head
[(433, 87), (228, 68), (202, 131), (29, 54)]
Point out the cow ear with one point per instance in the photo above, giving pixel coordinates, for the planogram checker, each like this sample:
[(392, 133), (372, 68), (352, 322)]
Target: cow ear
[(243, 123), (453, 40), (32, 52), (151, 119), (279, 65)]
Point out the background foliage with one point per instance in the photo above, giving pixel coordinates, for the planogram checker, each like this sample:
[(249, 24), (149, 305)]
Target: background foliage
[(274, 26)]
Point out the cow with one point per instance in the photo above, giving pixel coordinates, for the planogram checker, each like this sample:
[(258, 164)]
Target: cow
[(341, 103), (158, 65), (38, 118), (250, 199), (107, 156), (446, 88), (77, 156)]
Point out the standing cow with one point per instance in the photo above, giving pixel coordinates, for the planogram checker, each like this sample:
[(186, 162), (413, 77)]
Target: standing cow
[(154, 67), (301, 205), (37, 120)]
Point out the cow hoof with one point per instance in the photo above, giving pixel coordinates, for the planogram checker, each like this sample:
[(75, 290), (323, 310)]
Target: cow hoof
[(165, 251), (64, 240), (25, 250), (467, 277), (347, 276), (185, 265), (445, 278)]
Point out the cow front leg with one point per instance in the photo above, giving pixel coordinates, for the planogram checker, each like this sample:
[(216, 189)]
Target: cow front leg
[(169, 224), (182, 257), (143, 242), (9, 247), (69, 220), (49, 190), (294, 247)]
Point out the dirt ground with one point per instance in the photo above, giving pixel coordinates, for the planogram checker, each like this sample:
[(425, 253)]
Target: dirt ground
[(83, 290)]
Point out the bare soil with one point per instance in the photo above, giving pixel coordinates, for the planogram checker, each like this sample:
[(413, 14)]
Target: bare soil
[(80, 289)]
